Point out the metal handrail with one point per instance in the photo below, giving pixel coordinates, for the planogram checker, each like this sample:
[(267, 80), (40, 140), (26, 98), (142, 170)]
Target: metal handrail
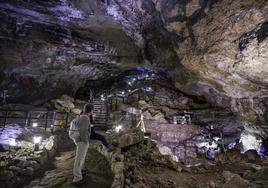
[(28, 117)]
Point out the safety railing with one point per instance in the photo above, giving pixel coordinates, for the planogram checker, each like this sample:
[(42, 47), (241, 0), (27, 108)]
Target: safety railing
[(41, 118), (113, 98)]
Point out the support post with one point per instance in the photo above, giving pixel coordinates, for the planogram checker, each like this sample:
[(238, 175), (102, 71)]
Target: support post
[(116, 103), (5, 120), (66, 121), (53, 121), (46, 121), (30, 118), (26, 119)]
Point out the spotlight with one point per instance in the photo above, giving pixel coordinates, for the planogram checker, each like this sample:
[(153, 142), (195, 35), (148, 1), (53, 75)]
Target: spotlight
[(118, 128), (35, 124), (129, 90), (148, 89), (12, 142), (52, 127), (102, 97), (123, 93), (37, 139)]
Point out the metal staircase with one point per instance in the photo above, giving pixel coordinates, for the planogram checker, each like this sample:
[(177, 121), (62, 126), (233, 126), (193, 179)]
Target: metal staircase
[(100, 113)]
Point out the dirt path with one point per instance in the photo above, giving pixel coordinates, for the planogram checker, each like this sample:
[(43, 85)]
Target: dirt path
[(60, 176)]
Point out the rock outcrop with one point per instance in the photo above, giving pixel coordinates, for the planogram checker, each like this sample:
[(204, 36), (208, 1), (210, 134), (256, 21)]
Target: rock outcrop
[(53, 47), (216, 50), (20, 162)]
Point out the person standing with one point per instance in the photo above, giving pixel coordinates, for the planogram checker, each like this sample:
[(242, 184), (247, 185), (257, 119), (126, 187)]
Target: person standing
[(80, 133)]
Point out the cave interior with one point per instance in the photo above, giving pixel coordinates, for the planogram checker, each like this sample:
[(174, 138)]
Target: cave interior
[(179, 90)]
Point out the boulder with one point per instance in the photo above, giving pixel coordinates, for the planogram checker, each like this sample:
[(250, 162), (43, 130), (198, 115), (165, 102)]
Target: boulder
[(15, 169), (6, 175), (33, 164), (28, 171), (192, 6), (49, 144), (234, 180), (164, 150), (252, 156), (130, 138), (65, 103), (261, 174), (230, 156)]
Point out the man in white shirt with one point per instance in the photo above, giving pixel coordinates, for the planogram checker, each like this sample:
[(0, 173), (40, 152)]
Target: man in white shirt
[(80, 133)]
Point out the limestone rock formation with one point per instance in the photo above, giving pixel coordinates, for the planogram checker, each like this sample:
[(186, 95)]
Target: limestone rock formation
[(221, 47), (216, 50), (53, 47)]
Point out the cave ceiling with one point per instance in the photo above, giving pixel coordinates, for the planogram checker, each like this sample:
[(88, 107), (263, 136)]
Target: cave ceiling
[(211, 48)]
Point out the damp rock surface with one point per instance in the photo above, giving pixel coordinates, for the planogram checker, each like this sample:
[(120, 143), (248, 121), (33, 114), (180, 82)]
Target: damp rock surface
[(19, 161), (146, 167)]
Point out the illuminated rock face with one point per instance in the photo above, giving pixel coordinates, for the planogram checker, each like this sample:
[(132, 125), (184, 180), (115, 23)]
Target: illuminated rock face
[(222, 44), (213, 49), (53, 47)]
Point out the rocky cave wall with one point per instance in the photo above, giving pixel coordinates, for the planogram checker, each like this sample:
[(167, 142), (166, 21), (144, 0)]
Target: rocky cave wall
[(214, 49), (53, 47)]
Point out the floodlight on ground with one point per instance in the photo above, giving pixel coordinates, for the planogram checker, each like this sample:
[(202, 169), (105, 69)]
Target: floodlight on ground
[(35, 124), (118, 128), (148, 89), (12, 142), (37, 139)]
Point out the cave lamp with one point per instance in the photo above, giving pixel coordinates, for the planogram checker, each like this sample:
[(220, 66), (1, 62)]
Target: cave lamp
[(35, 124), (36, 141), (118, 128)]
